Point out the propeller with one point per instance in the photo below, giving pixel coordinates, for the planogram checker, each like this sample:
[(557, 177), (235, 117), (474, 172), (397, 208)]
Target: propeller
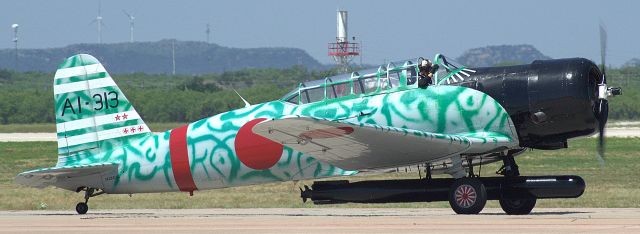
[(131, 17), (602, 104)]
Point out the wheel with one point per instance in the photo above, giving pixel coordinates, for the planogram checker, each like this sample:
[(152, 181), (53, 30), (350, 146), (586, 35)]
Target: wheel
[(517, 206), (467, 196), (82, 208)]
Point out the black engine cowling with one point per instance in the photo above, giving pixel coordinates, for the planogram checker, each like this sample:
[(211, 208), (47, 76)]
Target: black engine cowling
[(549, 101)]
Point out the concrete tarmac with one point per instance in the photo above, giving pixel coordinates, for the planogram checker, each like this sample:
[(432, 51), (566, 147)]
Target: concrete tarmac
[(322, 220)]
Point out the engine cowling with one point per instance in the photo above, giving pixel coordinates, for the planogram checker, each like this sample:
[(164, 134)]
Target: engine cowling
[(549, 101)]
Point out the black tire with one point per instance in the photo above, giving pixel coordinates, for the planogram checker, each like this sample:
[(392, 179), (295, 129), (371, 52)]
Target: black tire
[(82, 208), (467, 196), (517, 206)]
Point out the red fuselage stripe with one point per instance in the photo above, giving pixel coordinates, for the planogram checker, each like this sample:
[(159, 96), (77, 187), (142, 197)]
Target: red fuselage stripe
[(180, 159)]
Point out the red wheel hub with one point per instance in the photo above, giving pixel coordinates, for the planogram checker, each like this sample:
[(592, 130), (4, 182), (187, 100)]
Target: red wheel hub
[(465, 196)]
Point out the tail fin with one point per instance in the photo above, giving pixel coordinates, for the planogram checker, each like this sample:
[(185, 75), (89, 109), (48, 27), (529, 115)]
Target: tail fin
[(92, 114)]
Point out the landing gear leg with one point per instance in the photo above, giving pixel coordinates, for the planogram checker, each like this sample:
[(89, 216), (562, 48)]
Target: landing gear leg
[(470, 166), (428, 171), (83, 207), (509, 167), (519, 206)]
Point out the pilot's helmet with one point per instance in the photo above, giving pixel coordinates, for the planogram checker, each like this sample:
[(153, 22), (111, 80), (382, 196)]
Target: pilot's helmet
[(425, 63)]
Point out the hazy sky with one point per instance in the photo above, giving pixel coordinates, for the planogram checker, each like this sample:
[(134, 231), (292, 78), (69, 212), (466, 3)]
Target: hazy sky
[(389, 30)]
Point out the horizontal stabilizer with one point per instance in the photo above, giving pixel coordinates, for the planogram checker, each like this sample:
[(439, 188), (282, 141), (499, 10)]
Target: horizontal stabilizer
[(67, 177)]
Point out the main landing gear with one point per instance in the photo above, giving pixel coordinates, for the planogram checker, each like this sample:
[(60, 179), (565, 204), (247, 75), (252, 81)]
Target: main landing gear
[(83, 207), (517, 206), (467, 195), (509, 204)]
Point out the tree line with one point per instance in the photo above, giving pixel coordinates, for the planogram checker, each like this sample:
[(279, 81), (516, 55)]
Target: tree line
[(27, 97)]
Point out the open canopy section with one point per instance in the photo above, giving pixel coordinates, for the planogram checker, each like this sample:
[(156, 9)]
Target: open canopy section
[(385, 78), (449, 71)]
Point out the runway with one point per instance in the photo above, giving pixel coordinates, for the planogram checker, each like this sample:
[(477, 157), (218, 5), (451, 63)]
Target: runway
[(323, 220), (46, 136)]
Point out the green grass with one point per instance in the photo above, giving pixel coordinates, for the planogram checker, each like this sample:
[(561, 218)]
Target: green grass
[(615, 185), (51, 127)]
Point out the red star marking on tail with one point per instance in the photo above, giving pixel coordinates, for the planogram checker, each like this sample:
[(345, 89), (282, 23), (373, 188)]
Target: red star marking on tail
[(140, 128), (125, 131), (124, 116), (117, 117), (133, 129)]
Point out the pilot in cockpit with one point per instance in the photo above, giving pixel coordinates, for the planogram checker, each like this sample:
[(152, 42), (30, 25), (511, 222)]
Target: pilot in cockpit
[(426, 73)]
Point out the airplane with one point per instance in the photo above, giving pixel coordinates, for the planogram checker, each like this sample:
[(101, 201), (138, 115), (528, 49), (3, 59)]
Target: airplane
[(366, 121)]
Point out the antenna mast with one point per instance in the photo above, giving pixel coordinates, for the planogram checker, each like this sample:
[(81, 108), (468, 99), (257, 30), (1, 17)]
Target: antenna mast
[(342, 50)]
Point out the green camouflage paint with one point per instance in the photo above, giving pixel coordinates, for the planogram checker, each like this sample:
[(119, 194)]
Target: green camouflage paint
[(145, 161)]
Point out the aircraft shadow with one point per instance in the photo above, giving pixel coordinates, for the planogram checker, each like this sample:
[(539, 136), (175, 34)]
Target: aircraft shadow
[(543, 213)]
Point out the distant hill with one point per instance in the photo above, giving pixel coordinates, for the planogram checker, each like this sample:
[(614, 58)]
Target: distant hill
[(634, 62), (155, 57), (500, 55)]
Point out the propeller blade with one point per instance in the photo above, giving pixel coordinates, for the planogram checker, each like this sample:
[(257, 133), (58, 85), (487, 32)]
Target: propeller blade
[(603, 49), (601, 147), (603, 115), (304, 199), (603, 103), (126, 13)]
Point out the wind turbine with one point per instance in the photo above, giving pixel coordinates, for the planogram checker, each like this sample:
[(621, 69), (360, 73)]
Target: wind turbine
[(208, 31), (98, 21), (15, 41), (131, 24)]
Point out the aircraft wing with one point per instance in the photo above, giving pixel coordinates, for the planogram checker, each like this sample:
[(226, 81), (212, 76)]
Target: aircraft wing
[(68, 177), (361, 146)]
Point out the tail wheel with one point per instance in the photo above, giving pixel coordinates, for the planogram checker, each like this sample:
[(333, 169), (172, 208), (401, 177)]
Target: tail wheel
[(467, 196), (517, 206), (82, 208)]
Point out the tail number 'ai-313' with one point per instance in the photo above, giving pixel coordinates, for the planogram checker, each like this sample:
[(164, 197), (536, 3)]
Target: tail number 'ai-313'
[(103, 100)]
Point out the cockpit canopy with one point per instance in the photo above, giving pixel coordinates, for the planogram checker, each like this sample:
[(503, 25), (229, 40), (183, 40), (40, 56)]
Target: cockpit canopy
[(394, 76)]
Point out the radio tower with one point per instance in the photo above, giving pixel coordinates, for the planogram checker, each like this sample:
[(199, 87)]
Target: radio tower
[(342, 50)]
